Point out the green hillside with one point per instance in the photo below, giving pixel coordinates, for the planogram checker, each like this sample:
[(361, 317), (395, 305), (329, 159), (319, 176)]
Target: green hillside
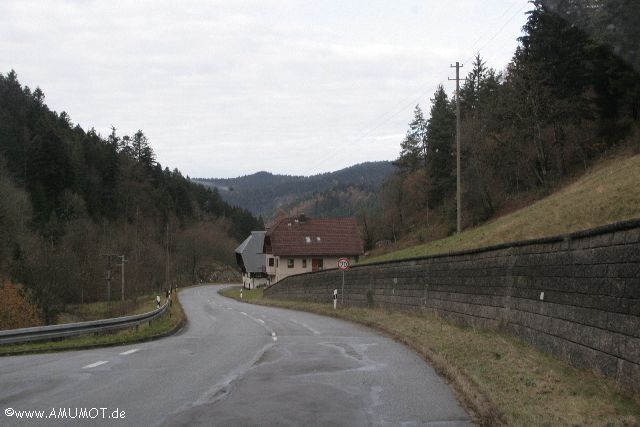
[(327, 194), (609, 192)]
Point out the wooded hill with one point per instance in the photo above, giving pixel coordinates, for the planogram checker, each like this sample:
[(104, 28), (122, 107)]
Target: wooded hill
[(70, 197), (327, 194), (570, 94)]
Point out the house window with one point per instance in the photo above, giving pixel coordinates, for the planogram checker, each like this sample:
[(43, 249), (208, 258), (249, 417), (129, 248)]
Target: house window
[(304, 263), (290, 263), (271, 263)]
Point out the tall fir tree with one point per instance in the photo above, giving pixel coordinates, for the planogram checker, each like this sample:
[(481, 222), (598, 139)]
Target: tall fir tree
[(413, 149), (441, 142)]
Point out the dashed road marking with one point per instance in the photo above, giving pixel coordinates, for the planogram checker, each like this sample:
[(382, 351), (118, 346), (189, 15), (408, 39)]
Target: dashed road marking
[(93, 365), (260, 320), (124, 353), (304, 325)]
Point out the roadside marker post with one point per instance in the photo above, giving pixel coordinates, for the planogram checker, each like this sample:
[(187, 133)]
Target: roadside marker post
[(343, 264), (335, 298)]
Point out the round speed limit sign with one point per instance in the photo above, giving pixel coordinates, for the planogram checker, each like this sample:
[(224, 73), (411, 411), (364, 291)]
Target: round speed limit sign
[(343, 264)]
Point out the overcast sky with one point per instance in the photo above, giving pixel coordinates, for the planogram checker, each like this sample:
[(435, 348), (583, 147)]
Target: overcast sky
[(228, 88)]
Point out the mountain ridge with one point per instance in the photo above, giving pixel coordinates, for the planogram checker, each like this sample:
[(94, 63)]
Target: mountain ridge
[(263, 192)]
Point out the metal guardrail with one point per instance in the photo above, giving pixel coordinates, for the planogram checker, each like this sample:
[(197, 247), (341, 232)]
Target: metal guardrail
[(40, 333)]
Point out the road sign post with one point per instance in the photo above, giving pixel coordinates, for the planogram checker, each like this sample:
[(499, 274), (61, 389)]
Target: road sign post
[(343, 264)]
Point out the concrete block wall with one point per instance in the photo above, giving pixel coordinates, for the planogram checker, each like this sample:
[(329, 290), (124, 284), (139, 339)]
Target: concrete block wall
[(576, 296)]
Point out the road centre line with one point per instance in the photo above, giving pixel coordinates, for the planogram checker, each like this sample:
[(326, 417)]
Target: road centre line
[(124, 353), (93, 365), (252, 318)]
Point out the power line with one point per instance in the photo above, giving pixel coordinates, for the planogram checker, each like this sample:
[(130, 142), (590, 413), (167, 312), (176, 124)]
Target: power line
[(380, 123), (390, 114), (500, 29), (507, 10)]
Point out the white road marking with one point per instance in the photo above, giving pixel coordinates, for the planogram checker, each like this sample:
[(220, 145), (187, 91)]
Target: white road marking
[(304, 325), (124, 353), (252, 318), (93, 365)]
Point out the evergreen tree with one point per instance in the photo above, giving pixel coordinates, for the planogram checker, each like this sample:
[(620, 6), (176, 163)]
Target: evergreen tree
[(413, 149), (441, 142), (472, 87), (141, 149), (89, 196)]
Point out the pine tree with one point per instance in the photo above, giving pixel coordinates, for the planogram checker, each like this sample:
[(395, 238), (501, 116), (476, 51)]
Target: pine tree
[(413, 149), (441, 143), (141, 149), (473, 86)]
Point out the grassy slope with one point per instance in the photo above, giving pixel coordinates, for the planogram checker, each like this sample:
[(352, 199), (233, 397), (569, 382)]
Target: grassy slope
[(104, 310), (500, 379), (608, 193)]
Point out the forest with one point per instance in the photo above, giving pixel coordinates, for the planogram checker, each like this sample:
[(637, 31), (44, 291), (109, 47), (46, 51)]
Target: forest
[(73, 202), (570, 93), (263, 193)]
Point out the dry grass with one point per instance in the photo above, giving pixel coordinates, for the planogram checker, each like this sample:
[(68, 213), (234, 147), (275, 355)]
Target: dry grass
[(105, 310), (501, 380), (610, 192)]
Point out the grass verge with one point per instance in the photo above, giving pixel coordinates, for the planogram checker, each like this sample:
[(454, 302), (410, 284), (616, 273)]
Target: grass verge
[(500, 379), (608, 193), (105, 310), (167, 324)]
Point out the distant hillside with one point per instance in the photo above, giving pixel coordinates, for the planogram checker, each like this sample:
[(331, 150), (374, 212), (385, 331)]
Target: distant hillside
[(71, 200), (331, 193)]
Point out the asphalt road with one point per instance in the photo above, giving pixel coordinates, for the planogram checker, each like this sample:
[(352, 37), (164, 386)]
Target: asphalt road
[(234, 364)]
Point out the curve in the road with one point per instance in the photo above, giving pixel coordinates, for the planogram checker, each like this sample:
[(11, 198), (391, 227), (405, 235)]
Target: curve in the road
[(237, 364)]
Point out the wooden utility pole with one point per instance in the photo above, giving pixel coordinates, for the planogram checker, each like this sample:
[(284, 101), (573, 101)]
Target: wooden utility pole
[(168, 280), (123, 261), (108, 278), (458, 185)]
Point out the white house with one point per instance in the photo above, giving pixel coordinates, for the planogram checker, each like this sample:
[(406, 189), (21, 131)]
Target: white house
[(301, 245)]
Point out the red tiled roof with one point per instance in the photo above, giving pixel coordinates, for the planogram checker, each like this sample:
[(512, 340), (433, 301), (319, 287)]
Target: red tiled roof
[(314, 236)]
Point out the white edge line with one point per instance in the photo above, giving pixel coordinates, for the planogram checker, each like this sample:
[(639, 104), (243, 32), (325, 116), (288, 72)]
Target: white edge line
[(93, 365)]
